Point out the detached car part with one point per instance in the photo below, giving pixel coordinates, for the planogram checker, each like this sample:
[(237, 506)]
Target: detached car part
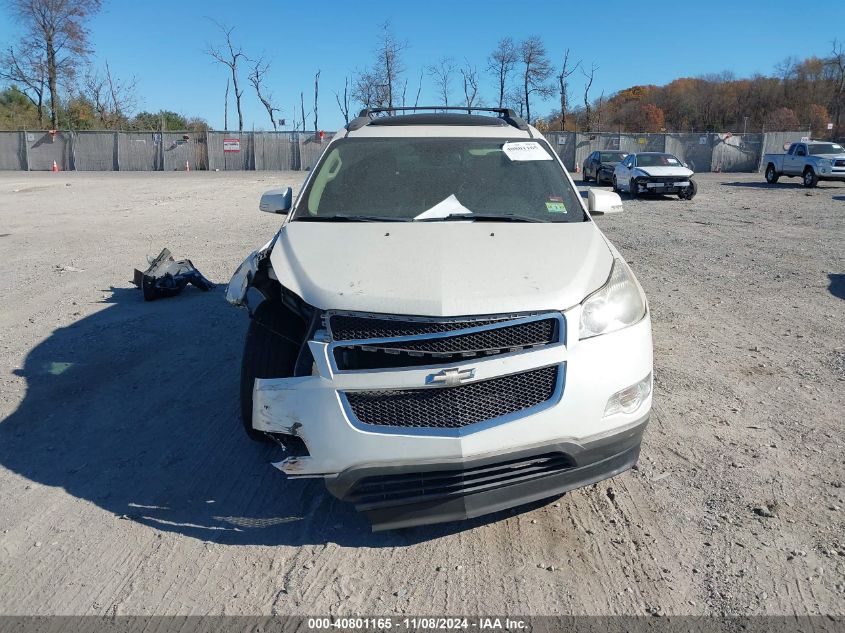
[(166, 277)]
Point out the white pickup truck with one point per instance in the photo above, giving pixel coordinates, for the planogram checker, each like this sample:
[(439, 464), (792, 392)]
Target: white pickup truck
[(811, 161)]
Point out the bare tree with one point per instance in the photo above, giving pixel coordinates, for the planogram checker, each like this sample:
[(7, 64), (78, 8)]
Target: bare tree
[(563, 85), (837, 63), (389, 65), (501, 63), (226, 106), (419, 89), (112, 98), (368, 89), (302, 108), (344, 103), (515, 100), (230, 56), (25, 68), (316, 94), (470, 76), (56, 33), (442, 73), (587, 109), (536, 71), (256, 77)]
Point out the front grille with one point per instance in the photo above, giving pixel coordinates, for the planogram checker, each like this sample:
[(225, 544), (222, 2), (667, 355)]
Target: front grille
[(389, 490), (669, 180), (440, 341), (455, 407), (839, 163), (347, 327)]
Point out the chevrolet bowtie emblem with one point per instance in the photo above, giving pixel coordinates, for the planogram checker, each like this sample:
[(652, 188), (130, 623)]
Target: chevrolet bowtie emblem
[(450, 377)]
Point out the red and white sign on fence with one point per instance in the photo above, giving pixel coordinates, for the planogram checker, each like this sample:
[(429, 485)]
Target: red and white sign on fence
[(231, 144)]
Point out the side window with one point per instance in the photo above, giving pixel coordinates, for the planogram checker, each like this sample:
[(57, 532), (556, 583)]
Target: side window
[(791, 150), (593, 156), (801, 150)]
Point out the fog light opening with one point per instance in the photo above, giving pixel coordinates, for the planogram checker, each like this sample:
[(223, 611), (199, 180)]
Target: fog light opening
[(629, 399)]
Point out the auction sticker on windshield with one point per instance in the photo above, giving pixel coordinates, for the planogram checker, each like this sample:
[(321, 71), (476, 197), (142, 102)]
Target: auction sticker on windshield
[(525, 150), (555, 205)]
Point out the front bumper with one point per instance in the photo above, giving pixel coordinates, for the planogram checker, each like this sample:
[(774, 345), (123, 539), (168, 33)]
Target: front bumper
[(341, 449), (658, 186), (401, 495)]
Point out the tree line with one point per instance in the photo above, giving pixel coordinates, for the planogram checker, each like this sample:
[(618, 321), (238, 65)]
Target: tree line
[(51, 82)]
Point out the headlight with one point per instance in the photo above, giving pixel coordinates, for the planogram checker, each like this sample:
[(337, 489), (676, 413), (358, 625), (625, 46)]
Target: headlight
[(614, 306), (629, 399)]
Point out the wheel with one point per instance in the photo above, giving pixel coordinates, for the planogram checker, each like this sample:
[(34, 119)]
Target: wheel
[(598, 178), (584, 176), (810, 178), (614, 184), (632, 188), (267, 354), (771, 175), (688, 193)]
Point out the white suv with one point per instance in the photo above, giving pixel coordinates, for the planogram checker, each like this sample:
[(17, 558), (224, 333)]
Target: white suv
[(439, 329)]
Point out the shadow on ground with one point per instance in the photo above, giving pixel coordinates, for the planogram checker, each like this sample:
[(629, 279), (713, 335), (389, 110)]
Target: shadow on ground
[(134, 409), (794, 184), (837, 285)]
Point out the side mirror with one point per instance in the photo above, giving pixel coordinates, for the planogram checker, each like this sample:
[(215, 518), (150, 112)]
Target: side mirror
[(276, 200), (601, 201)]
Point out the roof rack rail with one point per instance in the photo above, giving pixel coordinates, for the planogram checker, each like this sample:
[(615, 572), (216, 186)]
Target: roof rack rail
[(367, 114)]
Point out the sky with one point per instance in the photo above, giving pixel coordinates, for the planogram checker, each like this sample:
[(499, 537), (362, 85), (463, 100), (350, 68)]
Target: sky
[(162, 44)]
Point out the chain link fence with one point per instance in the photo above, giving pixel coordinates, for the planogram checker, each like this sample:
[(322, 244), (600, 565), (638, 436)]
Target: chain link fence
[(281, 151)]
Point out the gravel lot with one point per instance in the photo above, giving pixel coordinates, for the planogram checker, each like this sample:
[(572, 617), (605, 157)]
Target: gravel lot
[(128, 487)]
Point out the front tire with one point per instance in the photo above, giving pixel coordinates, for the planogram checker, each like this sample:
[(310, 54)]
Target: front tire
[(632, 188), (269, 352), (810, 178), (688, 193), (615, 184), (771, 174), (584, 177)]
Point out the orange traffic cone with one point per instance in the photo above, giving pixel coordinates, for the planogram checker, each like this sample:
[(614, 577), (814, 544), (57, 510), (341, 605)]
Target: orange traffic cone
[(187, 166), (577, 169), (55, 167)]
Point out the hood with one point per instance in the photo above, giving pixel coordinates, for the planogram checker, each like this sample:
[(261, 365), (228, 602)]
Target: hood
[(441, 268), (667, 170)]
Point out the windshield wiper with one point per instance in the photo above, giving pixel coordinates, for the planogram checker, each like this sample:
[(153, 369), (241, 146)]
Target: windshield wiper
[(346, 218), (482, 217)]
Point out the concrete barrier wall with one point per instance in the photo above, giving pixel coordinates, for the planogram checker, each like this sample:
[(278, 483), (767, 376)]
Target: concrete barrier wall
[(12, 151), (154, 151), (43, 148), (237, 153), (139, 151), (95, 151)]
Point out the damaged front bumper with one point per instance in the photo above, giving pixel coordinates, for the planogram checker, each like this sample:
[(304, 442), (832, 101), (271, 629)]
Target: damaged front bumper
[(542, 450)]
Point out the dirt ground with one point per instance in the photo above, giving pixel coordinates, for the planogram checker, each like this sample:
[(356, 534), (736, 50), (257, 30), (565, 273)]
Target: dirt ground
[(128, 487)]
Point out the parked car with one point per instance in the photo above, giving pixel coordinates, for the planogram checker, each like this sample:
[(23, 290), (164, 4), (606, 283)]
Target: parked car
[(653, 173), (439, 329), (811, 161), (599, 166)]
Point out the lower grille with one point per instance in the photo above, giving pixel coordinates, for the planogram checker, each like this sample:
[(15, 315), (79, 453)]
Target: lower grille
[(455, 407), (389, 490)]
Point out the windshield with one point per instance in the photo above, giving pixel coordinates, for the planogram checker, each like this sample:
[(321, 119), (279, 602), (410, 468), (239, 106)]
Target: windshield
[(657, 160), (825, 148), (612, 157), (403, 178)]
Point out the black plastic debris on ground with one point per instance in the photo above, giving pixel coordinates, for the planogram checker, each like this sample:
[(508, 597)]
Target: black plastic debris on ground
[(167, 278)]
